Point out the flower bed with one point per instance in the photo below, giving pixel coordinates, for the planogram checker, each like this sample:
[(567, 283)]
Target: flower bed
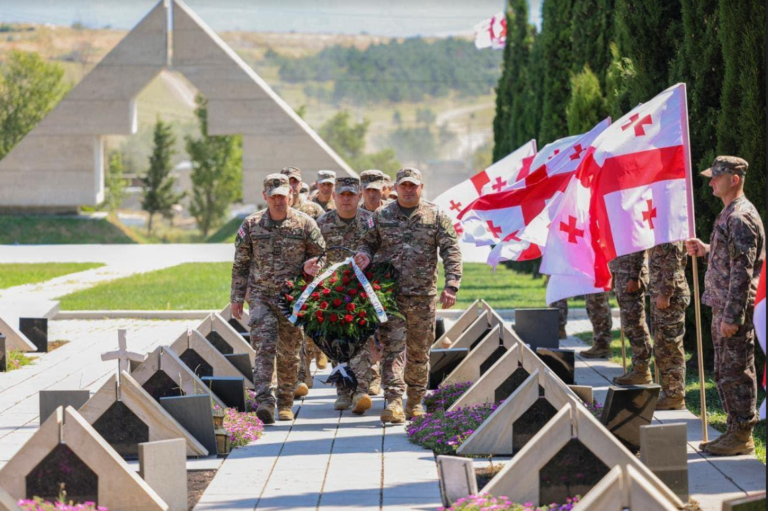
[(481, 502), (40, 505), (596, 409), (443, 432), (445, 397), (243, 428)]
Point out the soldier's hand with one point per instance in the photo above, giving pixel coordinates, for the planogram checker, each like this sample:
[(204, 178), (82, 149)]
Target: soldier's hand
[(662, 302), (727, 329), (311, 267), (448, 298), (237, 310), (633, 286), (362, 260), (696, 248)]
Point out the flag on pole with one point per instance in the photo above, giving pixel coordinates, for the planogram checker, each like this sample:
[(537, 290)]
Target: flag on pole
[(760, 324), (491, 33)]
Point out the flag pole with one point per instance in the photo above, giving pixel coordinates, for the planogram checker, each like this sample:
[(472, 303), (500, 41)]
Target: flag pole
[(623, 350), (692, 229)]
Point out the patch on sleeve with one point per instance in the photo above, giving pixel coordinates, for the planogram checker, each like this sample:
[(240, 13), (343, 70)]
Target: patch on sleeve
[(240, 236), (370, 222)]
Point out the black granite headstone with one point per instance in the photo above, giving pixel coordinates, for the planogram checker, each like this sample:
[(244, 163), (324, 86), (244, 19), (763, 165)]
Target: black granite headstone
[(197, 363), (219, 343), (195, 414), (161, 385), (442, 363), (491, 360), (439, 328), (531, 422), (230, 390), (36, 330), (539, 328), (562, 363), (511, 384), (237, 326), (122, 429), (63, 467), (573, 471), (3, 354), (242, 362), (627, 409)]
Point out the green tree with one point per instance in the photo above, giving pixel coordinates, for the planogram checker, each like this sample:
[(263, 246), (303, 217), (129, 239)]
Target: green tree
[(114, 190), (591, 35), (556, 33), (217, 172), (621, 73), (29, 88), (348, 140), (587, 106), (533, 96), (158, 195)]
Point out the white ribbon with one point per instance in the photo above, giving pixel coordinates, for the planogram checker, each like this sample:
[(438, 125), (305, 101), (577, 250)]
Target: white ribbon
[(380, 313)]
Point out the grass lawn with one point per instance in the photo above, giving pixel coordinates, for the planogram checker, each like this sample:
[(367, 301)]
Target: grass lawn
[(51, 230), (715, 411), (14, 274)]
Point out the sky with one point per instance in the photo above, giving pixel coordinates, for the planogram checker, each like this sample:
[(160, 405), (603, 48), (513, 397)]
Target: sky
[(393, 18)]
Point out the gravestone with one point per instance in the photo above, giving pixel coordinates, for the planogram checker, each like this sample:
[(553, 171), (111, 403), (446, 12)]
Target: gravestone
[(585, 393), (627, 488), (664, 449), (77, 456), (36, 330), (163, 465), (484, 356), (530, 423), (751, 503), (230, 390), (14, 339), (219, 343), (196, 362), (224, 337), (7, 503), (242, 363), (459, 326), (475, 333), (562, 363), (457, 478), (203, 358), (161, 385), (195, 414), (627, 409), (50, 400), (510, 385), (538, 328), (3, 354), (573, 471), (439, 328), (122, 429), (442, 363)]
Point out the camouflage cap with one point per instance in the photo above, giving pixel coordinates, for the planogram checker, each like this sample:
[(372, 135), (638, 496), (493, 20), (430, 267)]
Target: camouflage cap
[(326, 176), (304, 188), (373, 179), (409, 175), (727, 165), (292, 172), (277, 184), (387, 179), (348, 184)]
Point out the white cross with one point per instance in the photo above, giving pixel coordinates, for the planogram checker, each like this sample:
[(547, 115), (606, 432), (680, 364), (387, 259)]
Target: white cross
[(122, 355)]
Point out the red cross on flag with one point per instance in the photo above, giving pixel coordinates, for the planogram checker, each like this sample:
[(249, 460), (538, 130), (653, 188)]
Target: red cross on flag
[(491, 33)]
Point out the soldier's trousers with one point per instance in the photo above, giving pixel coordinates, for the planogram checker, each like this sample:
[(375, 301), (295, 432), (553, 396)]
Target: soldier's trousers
[(633, 321), (599, 312), (306, 355), (735, 372), (361, 366), (562, 307), (668, 334), (276, 341), (413, 336)]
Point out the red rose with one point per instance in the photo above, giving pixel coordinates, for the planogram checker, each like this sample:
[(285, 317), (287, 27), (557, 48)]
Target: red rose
[(363, 295), (304, 307), (346, 280), (351, 307), (362, 322), (300, 314), (352, 292), (315, 296), (363, 314), (387, 276), (340, 289), (377, 287), (326, 292), (320, 320), (333, 280), (324, 305), (360, 285), (349, 318), (289, 298), (321, 284), (347, 273), (290, 284), (334, 318), (337, 303), (319, 314)]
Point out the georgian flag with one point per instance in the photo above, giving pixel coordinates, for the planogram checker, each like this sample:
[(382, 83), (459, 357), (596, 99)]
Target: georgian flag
[(760, 323), (491, 33)]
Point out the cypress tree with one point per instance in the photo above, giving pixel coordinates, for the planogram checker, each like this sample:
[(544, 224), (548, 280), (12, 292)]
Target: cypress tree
[(556, 35), (591, 36), (534, 92), (159, 196), (587, 105)]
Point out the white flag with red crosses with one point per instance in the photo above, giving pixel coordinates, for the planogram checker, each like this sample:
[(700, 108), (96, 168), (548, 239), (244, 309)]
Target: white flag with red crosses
[(760, 324), (492, 32)]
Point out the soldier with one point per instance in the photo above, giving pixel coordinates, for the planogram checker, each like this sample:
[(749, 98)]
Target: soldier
[(630, 280), (409, 233), (345, 227), (326, 180), (562, 307), (373, 190), (271, 248), (670, 297), (308, 350), (304, 191), (599, 312), (736, 256)]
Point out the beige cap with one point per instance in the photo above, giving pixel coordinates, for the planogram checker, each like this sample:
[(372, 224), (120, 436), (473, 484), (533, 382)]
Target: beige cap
[(277, 184), (373, 179), (292, 172), (326, 176)]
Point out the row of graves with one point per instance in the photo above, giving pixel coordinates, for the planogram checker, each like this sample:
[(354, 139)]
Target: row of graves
[(160, 408), (559, 449)]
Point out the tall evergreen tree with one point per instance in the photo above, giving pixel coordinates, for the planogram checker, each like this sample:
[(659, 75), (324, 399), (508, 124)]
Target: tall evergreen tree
[(648, 32), (510, 108), (114, 192), (586, 107), (591, 36), (217, 172), (159, 196), (534, 91), (556, 35)]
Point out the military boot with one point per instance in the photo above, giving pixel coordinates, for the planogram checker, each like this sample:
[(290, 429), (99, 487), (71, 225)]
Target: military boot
[(374, 389), (321, 360), (639, 375), (266, 413), (597, 351), (302, 390), (361, 403), (563, 334), (285, 413), (342, 403), (414, 411), (670, 403), (703, 445), (393, 412), (735, 443)]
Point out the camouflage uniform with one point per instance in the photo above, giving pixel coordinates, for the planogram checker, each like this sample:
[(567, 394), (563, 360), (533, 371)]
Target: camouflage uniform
[(562, 307), (601, 317), (667, 263), (412, 244), (325, 176), (736, 256), (632, 305), (277, 253)]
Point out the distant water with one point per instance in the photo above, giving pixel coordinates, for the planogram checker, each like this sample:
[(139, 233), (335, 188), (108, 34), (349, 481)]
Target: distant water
[(394, 18)]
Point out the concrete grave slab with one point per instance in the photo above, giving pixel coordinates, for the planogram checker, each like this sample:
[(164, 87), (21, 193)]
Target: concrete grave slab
[(457, 478), (240, 325), (118, 487), (475, 333), (50, 400), (231, 390), (163, 465), (624, 488), (562, 362), (627, 409), (483, 357), (193, 348), (663, 449), (457, 329), (7, 503), (160, 424), (14, 339), (539, 328), (442, 362), (3, 354), (196, 415), (585, 393), (224, 337), (243, 363), (751, 503)]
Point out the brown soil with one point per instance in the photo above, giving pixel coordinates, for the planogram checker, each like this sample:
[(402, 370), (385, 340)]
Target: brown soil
[(692, 506), (484, 475), (197, 482), (53, 346)]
